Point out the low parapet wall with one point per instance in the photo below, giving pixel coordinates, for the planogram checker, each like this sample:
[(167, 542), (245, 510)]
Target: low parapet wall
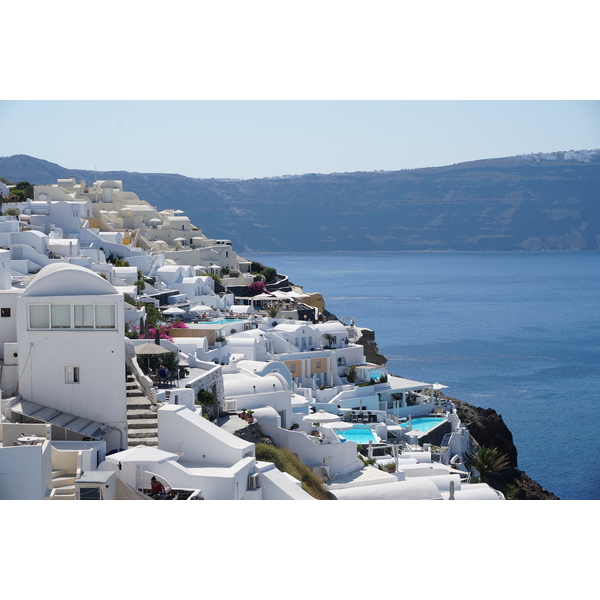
[(341, 457)]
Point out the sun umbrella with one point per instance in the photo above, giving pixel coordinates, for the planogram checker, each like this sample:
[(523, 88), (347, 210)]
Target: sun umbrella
[(200, 309), (141, 455), (150, 348), (173, 311), (321, 417)]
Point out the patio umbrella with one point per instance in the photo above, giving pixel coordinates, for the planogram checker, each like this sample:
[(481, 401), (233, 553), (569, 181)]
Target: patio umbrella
[(150, 348), (322, 417), (141, 455), (437, 387), (200, 309), (173, 311)]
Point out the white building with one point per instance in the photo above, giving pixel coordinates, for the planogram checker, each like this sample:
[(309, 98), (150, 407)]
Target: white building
[(69, 352)]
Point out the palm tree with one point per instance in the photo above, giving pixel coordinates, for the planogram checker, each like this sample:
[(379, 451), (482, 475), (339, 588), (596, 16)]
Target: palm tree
[(487, 461), (330, 340)]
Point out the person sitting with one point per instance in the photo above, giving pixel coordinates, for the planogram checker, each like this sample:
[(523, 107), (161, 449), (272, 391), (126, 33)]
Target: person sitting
[(163, 372), (157, 487)]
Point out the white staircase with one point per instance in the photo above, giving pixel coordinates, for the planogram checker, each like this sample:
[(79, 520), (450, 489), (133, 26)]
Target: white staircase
[(63, 485)]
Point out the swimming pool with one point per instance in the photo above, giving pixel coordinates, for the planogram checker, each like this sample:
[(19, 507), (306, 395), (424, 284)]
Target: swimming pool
[(224, 321), (360, 436), (424, 423)]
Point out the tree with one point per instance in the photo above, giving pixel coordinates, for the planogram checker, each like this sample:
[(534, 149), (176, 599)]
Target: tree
[(25, 188), (208, 401), (487, 461), (140, 283), (330, 340), (270, 274)]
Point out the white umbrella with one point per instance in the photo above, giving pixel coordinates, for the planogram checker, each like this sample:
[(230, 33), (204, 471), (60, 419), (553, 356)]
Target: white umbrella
[(173, 311), (141, 455), (178, 212), (200, 309), (322, 417), (439, 386)]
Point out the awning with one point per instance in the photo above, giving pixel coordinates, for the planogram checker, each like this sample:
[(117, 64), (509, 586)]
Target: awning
[(45, 414)]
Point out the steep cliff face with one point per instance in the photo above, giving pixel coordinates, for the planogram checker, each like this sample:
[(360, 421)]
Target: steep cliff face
[(372, 354), (533, 202), (490, 431)]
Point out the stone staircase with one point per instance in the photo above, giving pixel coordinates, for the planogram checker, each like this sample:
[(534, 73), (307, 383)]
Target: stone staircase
[(142, 420)]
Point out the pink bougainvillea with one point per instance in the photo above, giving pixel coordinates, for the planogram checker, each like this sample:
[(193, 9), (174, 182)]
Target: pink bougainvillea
[(163, 331), (258, 287)]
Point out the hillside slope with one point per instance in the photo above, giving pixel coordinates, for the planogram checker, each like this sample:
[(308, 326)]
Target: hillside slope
[(532, 202)]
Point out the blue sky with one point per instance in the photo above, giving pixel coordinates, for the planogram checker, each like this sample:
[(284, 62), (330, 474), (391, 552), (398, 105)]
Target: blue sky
[(246, 139), (260, 89)]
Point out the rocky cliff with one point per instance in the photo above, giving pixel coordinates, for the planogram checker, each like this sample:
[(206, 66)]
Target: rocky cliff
[(529, 202), (490, 431)]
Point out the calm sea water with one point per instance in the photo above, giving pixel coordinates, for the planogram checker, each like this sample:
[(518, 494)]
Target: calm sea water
[(516, 332)]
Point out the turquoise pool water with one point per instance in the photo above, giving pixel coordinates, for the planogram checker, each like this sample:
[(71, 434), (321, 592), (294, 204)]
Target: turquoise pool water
[(225, 321), (360, 436), (424, 423)]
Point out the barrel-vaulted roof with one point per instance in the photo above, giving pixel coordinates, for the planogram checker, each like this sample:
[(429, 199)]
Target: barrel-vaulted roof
[(65, 279)]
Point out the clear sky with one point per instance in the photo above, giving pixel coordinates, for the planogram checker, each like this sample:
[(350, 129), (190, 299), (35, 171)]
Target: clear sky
[(262, 89), (246, 139)]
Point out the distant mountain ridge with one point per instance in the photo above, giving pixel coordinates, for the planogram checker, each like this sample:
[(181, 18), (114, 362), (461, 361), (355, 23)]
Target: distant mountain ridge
[(544, 201)]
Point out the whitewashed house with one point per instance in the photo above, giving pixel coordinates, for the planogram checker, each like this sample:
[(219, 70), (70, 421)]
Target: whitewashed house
[(69, 347)]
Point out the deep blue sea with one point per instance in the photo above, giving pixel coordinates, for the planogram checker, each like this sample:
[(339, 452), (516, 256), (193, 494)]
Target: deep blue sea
[(516, 332)]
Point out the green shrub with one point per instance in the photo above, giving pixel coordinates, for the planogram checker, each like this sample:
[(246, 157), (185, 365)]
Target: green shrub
[(288, 462), (352, 374), (270, 273)]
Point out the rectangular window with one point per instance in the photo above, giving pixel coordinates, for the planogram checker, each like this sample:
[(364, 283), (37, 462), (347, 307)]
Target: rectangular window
[(292, 368), (84, 316), (71, 374), (39, 316), (4, 312), (105, 316), (61, 316), (318, 364)]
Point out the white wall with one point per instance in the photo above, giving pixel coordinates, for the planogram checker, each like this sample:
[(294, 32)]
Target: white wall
[(340, 457), (8, 324), (25, 471), (186, 431), (99, 354)]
